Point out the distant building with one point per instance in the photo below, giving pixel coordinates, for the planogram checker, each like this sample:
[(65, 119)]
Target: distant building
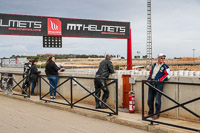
[(13, 62)]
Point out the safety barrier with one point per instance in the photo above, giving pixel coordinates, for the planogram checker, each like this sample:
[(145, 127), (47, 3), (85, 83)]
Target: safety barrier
[(8, 88), (70, 102), (168, 109)]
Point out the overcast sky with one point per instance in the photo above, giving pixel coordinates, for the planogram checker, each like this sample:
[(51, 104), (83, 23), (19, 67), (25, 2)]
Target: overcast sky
[(175, 26)]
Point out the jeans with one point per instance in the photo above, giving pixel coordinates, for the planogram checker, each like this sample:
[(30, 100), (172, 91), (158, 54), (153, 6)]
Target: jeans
[(33, 88), (152, 94), (53, 81)]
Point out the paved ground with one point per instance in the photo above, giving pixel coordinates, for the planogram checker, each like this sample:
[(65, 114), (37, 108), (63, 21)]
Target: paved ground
[(18, 116), (42, 123)]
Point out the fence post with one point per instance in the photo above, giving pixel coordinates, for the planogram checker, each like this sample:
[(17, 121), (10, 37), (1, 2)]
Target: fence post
[(142, 99), (40, 87), (71, 92), (116, 96)]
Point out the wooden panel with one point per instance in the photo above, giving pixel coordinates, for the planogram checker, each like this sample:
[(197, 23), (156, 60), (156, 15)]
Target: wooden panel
[(126, 89)]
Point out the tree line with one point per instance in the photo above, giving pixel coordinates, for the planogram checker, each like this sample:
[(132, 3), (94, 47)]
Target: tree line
[(61, 56)]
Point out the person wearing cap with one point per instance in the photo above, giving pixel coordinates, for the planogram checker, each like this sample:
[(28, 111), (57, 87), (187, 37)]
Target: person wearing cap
[(105, 68), (159, 72)]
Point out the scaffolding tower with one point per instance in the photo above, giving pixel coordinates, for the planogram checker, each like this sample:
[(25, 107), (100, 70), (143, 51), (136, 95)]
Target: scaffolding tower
[(149, 34)]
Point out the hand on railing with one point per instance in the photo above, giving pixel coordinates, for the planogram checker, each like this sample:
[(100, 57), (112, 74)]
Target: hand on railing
[(61, 68)]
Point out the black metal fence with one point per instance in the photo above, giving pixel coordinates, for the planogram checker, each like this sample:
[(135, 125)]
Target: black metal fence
[(182, 105), (70, 102), (8, 80)]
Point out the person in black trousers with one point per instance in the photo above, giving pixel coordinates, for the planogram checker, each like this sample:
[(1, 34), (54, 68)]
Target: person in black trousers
[(34, 76), (159, 72), (105, 68), (27, 71)]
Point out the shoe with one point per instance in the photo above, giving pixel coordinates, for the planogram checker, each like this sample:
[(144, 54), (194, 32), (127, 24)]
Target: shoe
[(51, 97), (103, 106), (155, 117), (54, 97), (33, 94), (98, 106), (146, 115)]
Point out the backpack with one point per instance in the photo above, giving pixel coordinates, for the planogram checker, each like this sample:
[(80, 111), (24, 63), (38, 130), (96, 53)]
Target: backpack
[(27, 69)]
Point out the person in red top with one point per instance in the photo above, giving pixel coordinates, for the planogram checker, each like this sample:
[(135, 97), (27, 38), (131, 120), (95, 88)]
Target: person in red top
[(159, 72)]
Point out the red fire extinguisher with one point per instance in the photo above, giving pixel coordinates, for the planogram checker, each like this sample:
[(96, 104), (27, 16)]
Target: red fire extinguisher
[(131, 102)]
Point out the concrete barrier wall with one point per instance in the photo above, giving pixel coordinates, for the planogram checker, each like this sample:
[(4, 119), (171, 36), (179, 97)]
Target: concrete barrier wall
[(65, 89), (180, 93), (188, 92), (169, 89)]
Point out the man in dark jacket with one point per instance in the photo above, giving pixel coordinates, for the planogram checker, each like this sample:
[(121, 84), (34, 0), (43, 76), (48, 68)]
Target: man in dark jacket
[(105, 68), (34, 75)]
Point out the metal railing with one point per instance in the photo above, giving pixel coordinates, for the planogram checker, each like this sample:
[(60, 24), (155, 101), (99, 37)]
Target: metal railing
[(26, 93), (71, 103), (168, 109)]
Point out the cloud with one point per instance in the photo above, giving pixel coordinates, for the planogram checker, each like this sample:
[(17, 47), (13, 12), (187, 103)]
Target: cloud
[(175, 25)]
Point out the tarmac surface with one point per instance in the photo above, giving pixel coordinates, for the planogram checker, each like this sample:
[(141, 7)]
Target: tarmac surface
[(19, 116), (133, 120)]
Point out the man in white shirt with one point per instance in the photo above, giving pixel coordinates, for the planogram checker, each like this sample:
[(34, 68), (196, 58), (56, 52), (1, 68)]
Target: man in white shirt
[(159, 72)]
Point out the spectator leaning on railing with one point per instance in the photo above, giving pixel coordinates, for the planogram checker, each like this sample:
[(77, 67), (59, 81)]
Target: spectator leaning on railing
[(34, 75), (51, 70), (159, 72), (105, 68)]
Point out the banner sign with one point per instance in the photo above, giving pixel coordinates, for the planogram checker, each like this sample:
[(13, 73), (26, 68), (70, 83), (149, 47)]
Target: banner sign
[(49, 26)]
